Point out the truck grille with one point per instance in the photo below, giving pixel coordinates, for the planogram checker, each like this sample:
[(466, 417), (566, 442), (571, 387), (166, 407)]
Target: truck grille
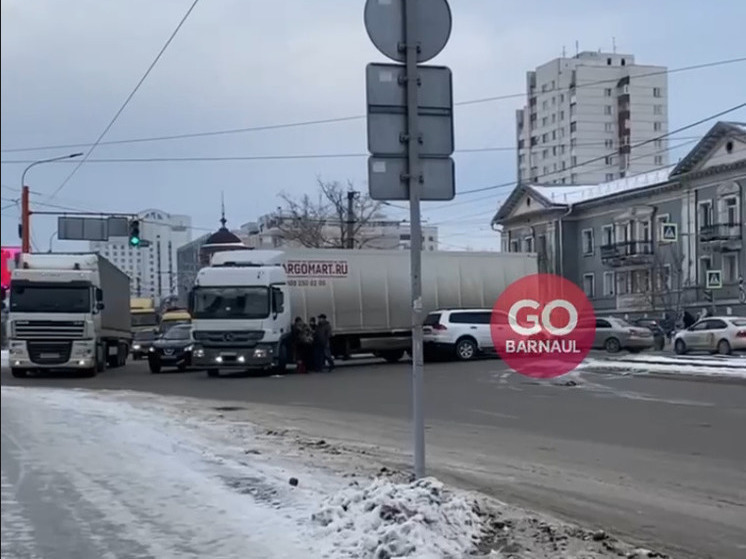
[(49, 353), (228, 337), (46, 329)]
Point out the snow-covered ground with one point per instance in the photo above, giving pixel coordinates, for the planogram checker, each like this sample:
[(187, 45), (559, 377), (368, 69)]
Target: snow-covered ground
[(151, 476), (634, 364), (4, 361)]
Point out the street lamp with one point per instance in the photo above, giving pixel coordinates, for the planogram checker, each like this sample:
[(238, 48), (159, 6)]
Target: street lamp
[(25, 211)]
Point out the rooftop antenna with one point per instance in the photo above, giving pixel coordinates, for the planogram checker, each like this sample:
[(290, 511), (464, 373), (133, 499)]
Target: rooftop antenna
[(577, 48), (564, 52), (613, 45), (223, 221)]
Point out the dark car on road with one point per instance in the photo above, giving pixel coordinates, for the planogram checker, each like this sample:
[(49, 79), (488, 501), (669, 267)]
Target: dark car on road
[(142, 342), (659, 334), (172, 349)]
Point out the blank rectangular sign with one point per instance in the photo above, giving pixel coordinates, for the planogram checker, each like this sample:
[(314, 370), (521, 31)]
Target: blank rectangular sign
[(82, 229)]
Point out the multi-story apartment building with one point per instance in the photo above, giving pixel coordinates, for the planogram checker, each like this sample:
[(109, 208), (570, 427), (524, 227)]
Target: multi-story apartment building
[(151, 266), (644, 244), (592, 118)]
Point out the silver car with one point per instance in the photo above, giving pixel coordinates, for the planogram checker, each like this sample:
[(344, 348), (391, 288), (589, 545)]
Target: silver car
[(615, 334), (716, 334)]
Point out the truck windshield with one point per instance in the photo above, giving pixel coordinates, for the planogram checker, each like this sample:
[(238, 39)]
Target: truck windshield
[(50, 298), (144, 319), (231, 302)]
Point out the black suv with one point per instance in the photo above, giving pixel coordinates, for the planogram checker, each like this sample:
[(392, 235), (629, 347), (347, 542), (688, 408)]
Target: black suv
[(172, 349), (142, 342)]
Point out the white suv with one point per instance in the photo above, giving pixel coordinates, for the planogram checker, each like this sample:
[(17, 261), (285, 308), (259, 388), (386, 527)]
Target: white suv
[(463, 333)]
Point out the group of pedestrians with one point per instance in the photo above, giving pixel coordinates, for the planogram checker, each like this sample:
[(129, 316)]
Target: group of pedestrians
[(312, 350)]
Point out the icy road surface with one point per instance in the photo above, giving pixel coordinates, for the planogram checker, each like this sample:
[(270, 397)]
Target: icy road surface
[(86, 477)]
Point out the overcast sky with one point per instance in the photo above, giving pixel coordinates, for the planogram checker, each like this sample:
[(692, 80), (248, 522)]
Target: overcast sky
[(68, 66)]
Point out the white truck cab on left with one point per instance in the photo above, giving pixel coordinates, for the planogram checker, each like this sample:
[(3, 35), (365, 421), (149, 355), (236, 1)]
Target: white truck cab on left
[(67, 311)]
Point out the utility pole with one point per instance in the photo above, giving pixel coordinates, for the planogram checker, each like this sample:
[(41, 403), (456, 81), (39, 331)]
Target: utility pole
[(402, 156), (351, 195), (25, 204)]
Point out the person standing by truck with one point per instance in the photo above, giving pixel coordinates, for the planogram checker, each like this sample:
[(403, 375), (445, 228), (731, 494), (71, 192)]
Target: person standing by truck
[(322, 343), (302, 345)]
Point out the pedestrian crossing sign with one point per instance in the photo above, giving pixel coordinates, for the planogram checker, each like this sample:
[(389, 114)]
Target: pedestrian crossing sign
[(669, 232), (714, 279)]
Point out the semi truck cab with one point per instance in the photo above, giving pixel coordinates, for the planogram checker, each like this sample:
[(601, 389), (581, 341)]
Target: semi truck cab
[(60, 314), (53, 318), (239, 316)]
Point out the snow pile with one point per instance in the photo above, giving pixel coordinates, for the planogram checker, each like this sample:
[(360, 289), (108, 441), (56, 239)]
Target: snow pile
[(674, 368), (387, 520)]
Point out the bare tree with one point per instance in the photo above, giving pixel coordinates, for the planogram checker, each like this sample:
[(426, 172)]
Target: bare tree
[(669, 281), (323, 221)]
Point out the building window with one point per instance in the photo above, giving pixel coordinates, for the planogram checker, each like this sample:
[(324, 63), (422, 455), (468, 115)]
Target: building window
[(657, 109), (660, 220), (609, 177), (609, 160), (573, 178), (608, 284), (562, 115), (659, 144), (607, 235), (609, 127), (657, 126), (666, 278), (562, 97), (607, 92), (730, 268), (545, 105), (545, 121), (657, 92), (609, 144), (622, 283), (574, 160), (514, 245), (528, 244), (587, 237), (704, 214), (589, 285), (573, 126), (705, 263), (731, 211), (545, 154), (608, 110)]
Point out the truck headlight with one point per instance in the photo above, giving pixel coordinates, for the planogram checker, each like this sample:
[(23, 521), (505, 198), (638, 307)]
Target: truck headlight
[(136, 346), (189, 348), (260, 352)]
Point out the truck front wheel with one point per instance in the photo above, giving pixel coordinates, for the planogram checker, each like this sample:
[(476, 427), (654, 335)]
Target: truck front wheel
[(18, 373), (213, 372)]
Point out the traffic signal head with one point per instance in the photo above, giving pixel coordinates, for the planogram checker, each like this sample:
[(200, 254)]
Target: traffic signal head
[(134, 233)]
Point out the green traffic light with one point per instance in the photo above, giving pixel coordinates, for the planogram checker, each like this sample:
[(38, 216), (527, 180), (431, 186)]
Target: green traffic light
[(134, 241)]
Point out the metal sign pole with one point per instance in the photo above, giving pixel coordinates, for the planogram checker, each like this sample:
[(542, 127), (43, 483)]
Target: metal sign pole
[(415, 184)]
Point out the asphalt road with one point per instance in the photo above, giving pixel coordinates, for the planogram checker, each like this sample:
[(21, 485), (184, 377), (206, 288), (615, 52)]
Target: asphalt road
[(658, 461)]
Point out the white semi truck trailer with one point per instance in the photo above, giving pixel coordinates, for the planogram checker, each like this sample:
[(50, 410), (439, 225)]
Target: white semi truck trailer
[(68, 311), (243, 305)]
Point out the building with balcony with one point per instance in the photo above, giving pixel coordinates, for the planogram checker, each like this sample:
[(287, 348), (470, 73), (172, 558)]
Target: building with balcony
[(590, 118), (644, 244)]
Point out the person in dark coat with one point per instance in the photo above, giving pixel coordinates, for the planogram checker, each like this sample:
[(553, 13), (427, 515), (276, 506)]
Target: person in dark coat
[(302, 341), (688, 319), (322, 343)]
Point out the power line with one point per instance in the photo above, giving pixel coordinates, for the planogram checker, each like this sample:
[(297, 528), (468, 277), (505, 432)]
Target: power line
[(286, 157), (610, 154), (325, 121), (127, 100)]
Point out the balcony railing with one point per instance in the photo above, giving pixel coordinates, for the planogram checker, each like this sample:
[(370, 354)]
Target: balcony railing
[(627, 250), (721, 232)]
